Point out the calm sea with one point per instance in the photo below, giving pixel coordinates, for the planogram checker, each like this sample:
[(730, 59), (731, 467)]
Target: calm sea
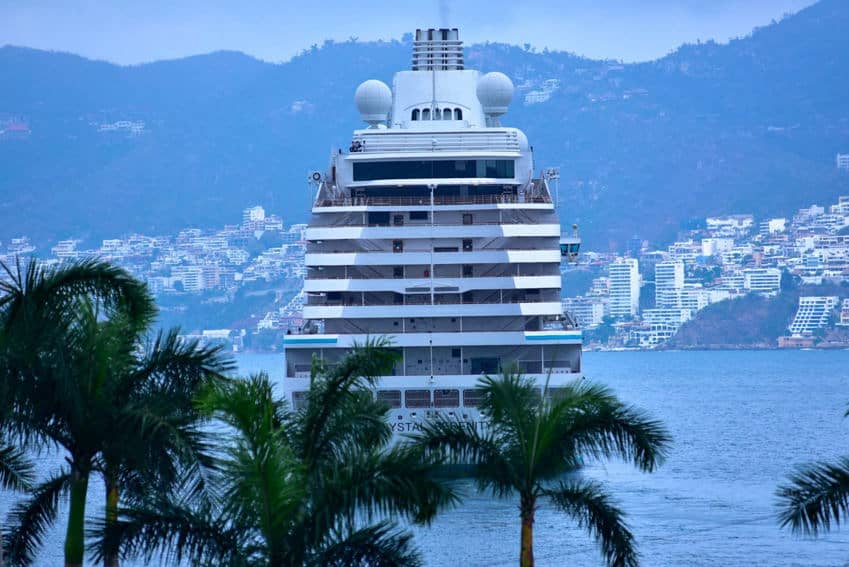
[(741, 421)]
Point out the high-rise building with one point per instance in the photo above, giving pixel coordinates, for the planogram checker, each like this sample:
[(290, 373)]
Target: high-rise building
[(624, 287), (814, 313), (668, 282), (843, 161), (762, 280)]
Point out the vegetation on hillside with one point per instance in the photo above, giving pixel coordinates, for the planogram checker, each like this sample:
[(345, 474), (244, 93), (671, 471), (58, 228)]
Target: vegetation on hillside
[(749, 126), (751, 321)]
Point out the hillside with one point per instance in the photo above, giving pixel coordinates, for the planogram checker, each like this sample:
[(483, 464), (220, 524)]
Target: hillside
[(751, 126), (751, 321)]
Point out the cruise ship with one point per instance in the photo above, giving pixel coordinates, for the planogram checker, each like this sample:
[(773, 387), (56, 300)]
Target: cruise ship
[(433, 230)]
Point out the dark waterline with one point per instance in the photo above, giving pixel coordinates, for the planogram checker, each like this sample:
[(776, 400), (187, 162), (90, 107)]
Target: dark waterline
[(741, 420)]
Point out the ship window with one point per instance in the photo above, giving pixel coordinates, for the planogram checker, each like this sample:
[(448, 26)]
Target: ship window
[(455, 353), (467, 246), (299, 400), (390, 397), (398, 220), (415, 114), (446, 398), (467, 218), (447, 169), (378, 219), (458, 114), (446, 114), (472, 398), (437, 114), (467, 271), (417, 398), (397, 245), (398, 272), (426, 114), (418, 215)]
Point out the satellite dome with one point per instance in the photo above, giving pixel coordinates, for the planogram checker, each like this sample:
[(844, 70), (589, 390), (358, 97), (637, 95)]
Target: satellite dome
[(374, 101), (495, 91)]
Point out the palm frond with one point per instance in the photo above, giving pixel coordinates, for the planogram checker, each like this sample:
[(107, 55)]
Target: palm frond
[(596, 423), (398, 482), (173, 531), (16, 470), (461, 443), (816, 498), (31, 518), (588, 503), (380, 545)]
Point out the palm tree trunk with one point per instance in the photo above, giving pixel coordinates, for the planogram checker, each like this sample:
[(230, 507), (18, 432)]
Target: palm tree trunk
[(110, 556), (527, 509), (75, 536)]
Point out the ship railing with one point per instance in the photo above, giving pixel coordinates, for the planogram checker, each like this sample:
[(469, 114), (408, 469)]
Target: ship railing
[(495, 272), (425, 299), (505, 141), (439, 200), (507, 221)]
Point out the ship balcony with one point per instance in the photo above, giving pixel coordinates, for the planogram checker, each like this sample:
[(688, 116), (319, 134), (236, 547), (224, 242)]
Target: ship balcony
[(423, 272), (436, 218), (453, 360), (403, 257), (427, 232), (413, 310), (440, 325), (443, 339), (426, 285), (477, 297)]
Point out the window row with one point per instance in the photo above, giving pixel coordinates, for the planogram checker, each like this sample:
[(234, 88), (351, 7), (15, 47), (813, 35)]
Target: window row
[(441, 169), (437, 114)]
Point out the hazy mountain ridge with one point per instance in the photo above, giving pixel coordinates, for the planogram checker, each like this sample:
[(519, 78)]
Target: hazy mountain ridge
[(752, 126)]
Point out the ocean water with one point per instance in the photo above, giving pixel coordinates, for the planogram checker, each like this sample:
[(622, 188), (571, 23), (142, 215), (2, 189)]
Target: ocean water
[(740, 420)]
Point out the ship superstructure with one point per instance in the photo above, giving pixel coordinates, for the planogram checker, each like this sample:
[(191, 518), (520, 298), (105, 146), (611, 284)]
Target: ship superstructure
[(432, 230)]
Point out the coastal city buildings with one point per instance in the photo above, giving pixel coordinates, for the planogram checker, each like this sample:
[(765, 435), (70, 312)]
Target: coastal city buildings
[(843, 161), (668, 284), (727, 257), (624, 287), (814, 313)]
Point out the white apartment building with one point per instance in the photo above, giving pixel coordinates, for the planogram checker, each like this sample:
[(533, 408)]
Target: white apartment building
[(730, 224), (670, 317), (814, 313), (766, 281), (587, 311), (65, 249), (773, 226), (253, 214), (668, 282), (716, 246), (624, 287), (844, 314), (191, 277), (843, 161)]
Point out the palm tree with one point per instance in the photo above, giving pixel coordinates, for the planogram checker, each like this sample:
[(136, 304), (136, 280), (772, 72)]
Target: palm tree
[(16, 473), (312, 486), (70, 358), (816, 496), (531, 441)]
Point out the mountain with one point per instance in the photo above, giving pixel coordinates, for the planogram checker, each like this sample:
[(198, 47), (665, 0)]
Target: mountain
[(93, 150)]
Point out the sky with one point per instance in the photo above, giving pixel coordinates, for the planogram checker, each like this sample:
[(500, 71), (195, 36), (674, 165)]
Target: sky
[(130, 32)]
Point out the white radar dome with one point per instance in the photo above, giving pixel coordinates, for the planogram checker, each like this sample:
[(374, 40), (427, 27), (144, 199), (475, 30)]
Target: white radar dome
[(495, 91), (374, 101)]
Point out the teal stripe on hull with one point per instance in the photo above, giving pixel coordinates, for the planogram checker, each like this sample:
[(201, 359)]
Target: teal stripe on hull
[(552, 337), (309, 341)]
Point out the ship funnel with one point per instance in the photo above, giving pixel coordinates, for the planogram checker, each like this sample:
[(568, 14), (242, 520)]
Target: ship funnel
[(438, 50)]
